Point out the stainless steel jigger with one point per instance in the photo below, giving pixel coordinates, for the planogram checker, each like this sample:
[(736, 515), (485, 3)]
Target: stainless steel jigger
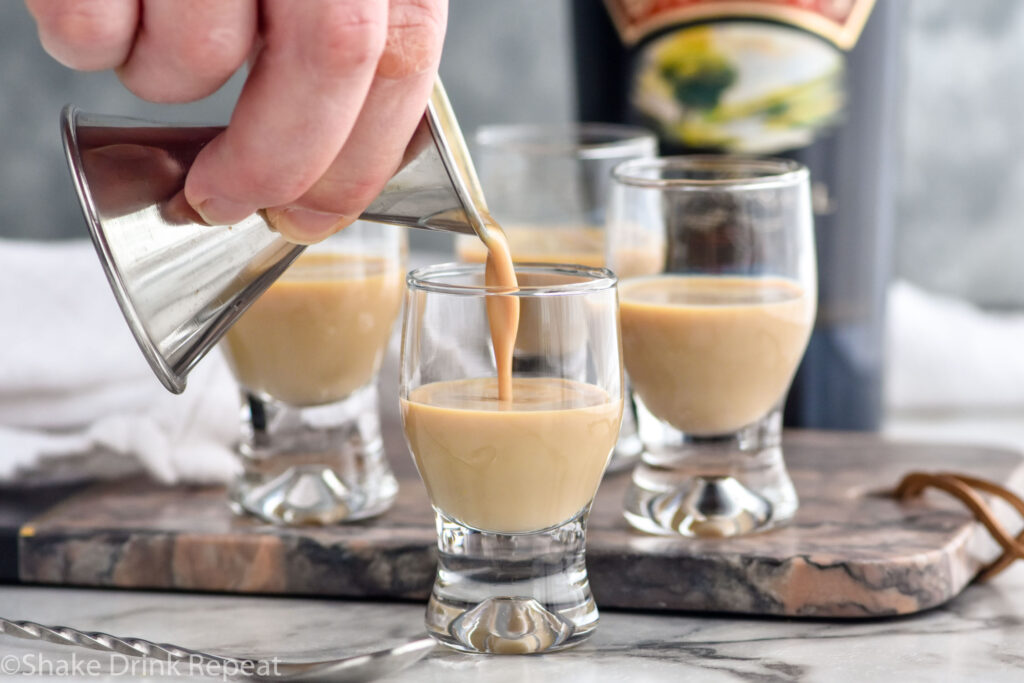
[(182, 283)]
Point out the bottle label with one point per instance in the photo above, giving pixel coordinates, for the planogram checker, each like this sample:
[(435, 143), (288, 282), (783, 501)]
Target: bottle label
[(738, 86), (838, 21), (761, 82)]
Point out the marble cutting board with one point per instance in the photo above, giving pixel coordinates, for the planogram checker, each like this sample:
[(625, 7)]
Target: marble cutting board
[(851, 552)]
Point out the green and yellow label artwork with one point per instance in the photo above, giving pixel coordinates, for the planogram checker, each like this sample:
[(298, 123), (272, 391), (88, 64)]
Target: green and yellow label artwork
[(740, 86)]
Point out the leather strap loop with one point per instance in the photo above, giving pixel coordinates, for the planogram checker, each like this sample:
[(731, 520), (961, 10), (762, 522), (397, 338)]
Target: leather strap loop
[(966, 489)]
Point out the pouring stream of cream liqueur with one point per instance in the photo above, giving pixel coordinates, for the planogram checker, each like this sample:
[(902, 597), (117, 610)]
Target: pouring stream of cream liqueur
[(499, 273), (502, 311)]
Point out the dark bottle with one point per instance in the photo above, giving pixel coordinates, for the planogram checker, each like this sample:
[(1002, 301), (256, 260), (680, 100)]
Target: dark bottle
[(812, 80)]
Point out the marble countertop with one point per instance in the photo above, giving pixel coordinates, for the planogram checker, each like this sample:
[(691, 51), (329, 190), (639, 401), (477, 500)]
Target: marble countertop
[(979, 636)]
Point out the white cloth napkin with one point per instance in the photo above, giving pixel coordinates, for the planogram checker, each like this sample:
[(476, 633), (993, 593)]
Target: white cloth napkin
[(946, 354), (76, 395)]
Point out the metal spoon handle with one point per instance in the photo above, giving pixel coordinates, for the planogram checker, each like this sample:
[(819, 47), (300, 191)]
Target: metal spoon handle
[(132, 647)]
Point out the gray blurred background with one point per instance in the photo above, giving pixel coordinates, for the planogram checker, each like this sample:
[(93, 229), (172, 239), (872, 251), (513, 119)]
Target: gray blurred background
[(961, 175)]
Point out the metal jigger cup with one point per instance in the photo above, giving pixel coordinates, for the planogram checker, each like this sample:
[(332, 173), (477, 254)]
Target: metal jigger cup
[(182, 283)]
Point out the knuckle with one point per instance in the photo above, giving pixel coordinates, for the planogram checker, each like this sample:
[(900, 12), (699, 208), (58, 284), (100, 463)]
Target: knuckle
[(418, 13), (353, 38), (261, 182), (358, 193), (216, 52), (271, 186), (347, 196), (415, 36), (184, 65)]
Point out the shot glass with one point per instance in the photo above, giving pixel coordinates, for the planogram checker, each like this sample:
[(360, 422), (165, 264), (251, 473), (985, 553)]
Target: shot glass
[(712, 342), (548, 186), (306, 356), (511, 481)]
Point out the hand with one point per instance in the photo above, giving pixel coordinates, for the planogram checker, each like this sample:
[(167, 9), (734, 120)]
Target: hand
[(335, 92)]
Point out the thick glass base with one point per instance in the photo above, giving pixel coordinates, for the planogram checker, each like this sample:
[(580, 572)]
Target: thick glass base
[(313, 465), (714, 486), (511, 593)]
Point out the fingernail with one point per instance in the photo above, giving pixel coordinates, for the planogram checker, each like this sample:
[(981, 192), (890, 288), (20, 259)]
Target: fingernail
[(216, 211), (302, 226)]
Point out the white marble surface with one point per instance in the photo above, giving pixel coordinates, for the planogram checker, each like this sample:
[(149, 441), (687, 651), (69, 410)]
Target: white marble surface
[(977, 637)]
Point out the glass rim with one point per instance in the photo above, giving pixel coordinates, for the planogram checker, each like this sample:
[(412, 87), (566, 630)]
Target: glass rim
[(427, 279), (548, 139), (764, 172)]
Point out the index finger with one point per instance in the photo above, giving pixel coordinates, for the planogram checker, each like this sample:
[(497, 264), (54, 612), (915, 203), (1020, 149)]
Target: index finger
[(297, 107)]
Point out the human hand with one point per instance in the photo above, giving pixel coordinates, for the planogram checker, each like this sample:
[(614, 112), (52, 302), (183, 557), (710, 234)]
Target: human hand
[(335, 92)]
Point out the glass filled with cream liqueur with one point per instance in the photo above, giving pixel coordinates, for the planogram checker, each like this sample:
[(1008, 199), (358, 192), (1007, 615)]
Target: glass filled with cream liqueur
[(511, 457), (306, 356), (712, 341), (548, 185)]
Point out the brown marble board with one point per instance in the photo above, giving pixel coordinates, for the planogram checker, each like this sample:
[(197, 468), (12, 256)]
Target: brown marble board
[(851, 551)]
